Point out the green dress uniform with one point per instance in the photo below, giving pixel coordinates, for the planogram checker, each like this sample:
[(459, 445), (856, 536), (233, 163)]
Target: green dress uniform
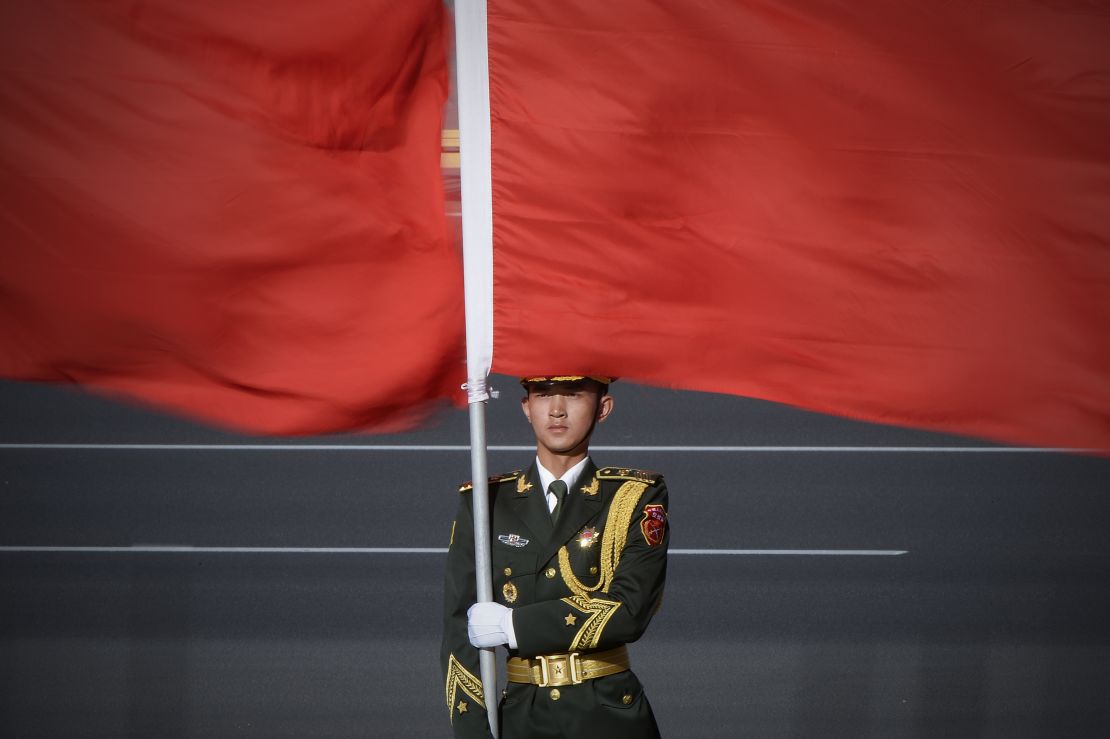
[(581, 587)]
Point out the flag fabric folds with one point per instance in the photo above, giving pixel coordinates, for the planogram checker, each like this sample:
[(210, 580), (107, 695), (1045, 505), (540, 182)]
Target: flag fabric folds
[(233, 210), (892, 211)]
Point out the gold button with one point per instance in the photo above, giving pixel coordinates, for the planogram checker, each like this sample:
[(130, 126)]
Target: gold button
[(626, 699), (593, 570), (550, 573), (555, 694), (508, 571)]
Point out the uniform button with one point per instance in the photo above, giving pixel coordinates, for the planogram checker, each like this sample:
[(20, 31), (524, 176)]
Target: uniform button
[(555, 694), (626, 699), (550, 573), (593, 570), (508, 571)]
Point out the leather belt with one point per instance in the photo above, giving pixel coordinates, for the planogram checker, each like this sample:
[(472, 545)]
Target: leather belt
[(554, 670)]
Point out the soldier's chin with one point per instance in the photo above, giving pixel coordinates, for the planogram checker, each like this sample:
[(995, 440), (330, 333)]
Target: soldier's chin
[(562, 446)]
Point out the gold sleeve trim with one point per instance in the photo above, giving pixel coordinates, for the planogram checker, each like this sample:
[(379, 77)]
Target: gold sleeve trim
[(625, 503), (598, 612), (459, 678)]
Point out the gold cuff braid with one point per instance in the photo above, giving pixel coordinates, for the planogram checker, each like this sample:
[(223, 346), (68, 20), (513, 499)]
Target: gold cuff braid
[(598, 611), (459, 678)]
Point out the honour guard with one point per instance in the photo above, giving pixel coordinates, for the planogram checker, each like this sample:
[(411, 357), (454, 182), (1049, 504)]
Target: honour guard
[(579, 562)]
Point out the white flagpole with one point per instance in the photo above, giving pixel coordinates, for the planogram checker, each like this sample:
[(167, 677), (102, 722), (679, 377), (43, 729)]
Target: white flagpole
[(472, 73)]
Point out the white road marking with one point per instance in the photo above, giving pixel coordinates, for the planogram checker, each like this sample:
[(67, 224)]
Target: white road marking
[(528, 448), (798, 552), (185, 549)]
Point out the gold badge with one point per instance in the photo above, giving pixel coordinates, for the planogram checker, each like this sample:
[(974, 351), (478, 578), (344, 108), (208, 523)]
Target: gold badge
[(587, 538), (509, 592), (592, 488), (522, 485)]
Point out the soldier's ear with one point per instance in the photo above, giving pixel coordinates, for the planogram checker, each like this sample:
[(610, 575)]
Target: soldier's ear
[(604, 407), (524, 407)]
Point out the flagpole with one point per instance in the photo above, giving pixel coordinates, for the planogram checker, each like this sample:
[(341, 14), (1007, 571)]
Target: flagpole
[(472, 74)]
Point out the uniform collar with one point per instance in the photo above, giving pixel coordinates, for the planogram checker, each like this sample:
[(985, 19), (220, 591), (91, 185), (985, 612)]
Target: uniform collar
[(570, 477)]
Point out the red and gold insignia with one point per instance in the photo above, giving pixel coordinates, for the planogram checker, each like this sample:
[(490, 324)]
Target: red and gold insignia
[(654, 524), (587, 537)]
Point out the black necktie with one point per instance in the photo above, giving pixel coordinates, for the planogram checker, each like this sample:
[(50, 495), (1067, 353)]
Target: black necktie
[(559, 490)]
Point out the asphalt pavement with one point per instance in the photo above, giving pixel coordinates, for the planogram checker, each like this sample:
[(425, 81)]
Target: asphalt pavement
[(829, 578)]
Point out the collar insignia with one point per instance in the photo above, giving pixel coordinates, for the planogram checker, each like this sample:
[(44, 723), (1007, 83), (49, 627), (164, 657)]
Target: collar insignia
[(522, 485), (591, 489), (513, 540)]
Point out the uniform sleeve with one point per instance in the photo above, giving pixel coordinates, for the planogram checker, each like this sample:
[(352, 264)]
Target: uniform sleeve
[(602, 620), (463, 684)]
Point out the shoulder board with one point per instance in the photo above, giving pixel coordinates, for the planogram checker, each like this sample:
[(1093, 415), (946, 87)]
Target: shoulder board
[(626, 473), (493, 480)]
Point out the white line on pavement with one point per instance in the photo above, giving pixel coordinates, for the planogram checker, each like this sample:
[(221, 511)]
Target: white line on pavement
[(185, 549), (799, 552)]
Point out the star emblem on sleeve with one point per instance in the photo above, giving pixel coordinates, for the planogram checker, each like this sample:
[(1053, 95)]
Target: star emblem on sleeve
[(570, 619), (462, 707)]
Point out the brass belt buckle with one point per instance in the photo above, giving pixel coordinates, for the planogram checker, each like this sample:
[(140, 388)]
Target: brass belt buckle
[(575, 669), (554, 669)]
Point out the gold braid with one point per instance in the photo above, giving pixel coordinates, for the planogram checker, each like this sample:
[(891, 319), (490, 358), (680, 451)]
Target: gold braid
[(460, 678), (621, 510)]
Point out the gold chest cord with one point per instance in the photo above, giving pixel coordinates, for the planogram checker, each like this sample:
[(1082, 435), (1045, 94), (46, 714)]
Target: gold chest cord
[(621, 510)]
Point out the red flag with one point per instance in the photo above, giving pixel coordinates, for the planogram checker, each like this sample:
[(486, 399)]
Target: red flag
[(894, 211), (231, 209)]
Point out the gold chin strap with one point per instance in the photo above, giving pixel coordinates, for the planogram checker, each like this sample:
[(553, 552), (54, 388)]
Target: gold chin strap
[(566, 378)]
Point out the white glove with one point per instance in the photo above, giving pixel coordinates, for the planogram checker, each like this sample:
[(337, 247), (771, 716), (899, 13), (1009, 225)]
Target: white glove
[(489, 625)]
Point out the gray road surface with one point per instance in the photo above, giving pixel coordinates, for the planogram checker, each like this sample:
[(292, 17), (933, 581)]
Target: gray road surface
[(994, 623)]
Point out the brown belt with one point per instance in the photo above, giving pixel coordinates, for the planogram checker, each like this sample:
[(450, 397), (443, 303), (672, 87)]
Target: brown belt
[(554, 670)]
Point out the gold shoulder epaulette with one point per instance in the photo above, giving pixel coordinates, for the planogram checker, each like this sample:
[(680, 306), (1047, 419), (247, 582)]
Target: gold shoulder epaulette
[(627, 473), (466, 487)]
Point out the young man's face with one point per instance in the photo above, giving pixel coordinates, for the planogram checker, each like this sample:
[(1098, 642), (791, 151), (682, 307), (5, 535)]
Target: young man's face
[(563, 415)]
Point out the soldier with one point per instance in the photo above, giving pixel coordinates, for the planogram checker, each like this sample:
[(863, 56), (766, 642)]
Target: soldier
[(579, 561)]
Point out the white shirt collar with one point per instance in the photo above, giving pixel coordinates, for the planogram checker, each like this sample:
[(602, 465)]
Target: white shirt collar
[(569, 477)]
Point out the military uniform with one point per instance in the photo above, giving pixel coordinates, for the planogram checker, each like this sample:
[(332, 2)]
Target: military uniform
[(585, 585)]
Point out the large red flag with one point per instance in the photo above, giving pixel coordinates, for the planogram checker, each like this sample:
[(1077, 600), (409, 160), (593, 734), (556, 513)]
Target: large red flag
[(895, 211), (233, 209)]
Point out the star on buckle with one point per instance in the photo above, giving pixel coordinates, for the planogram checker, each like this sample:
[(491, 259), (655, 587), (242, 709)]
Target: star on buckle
[(554, 669)]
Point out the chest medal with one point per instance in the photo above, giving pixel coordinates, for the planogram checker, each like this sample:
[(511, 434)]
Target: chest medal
[(508, 590), (587, 537)]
